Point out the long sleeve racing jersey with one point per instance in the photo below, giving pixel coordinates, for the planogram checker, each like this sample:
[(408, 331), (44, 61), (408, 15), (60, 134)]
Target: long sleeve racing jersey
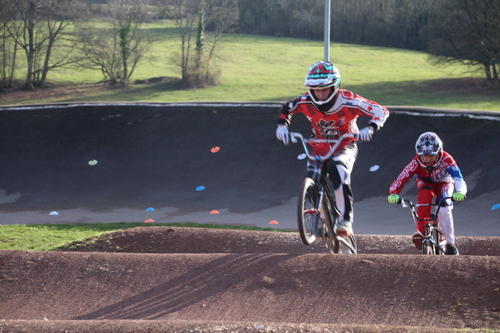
[(446, 170), (338, 119)]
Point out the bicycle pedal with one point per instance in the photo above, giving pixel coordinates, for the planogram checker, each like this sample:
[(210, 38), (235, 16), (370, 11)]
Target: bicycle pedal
[(417, 240)]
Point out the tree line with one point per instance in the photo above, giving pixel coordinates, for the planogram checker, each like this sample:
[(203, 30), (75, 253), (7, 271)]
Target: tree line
[(106, 34)]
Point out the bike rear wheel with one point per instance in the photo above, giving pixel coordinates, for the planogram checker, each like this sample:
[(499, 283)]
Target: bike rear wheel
[(308, 212), (347, 244), (333, 242), (329, 238)]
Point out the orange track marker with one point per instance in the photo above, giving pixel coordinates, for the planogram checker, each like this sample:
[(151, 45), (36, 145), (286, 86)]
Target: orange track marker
[(214, 212), (215, 149), (274, 222), (148, 220)]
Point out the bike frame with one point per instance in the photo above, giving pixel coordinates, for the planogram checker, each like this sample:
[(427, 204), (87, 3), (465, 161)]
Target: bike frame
[(431, 224), (320, 180)]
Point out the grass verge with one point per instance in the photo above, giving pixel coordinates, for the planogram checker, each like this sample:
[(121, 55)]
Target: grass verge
[(51, 237)]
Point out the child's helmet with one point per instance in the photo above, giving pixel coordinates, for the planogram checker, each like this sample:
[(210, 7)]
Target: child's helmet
[(429, 143), (323, 74)]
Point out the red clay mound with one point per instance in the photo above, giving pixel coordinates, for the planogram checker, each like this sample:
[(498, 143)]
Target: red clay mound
[(207, 280)]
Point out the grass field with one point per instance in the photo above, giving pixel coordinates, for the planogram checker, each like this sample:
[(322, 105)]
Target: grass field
[(260, 69)]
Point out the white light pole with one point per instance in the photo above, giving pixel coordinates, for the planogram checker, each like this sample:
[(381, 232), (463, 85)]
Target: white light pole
[(327, 29)]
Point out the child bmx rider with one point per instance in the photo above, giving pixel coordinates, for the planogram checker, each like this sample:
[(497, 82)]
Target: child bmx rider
[(332, 112), (437, 175)]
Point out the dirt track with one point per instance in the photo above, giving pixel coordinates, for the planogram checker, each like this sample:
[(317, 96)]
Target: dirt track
[(207, 280)]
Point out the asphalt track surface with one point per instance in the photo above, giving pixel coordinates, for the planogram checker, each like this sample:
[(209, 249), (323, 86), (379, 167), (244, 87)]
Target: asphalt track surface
[(159, 156)]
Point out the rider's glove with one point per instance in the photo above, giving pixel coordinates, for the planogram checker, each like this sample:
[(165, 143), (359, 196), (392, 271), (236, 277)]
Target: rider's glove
[(366, 133), (393, 198), (458, 196), (282, 134)]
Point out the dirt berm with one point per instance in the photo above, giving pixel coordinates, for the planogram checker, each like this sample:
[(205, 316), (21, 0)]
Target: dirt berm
[(166, 279)]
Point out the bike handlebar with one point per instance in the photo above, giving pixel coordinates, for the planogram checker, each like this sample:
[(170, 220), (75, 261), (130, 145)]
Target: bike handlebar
[(404, 201), (336, 143), (407, 203)]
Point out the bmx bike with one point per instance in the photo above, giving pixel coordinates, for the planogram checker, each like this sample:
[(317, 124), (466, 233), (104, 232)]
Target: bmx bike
[(433, 242), (317, 210)]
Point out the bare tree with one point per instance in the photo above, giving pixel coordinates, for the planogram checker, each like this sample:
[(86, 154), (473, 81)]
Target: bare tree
[(8, 49), (200, 24), (185, 14), (116, 47), (467, 32), (37, 27), (220, 15), (408, 18)]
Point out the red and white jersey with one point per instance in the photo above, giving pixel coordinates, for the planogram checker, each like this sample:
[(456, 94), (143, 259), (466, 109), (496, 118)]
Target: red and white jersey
[(339, 119), (445, 171)]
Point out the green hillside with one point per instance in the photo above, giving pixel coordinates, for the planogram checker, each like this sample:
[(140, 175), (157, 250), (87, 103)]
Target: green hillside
[(258, 68)]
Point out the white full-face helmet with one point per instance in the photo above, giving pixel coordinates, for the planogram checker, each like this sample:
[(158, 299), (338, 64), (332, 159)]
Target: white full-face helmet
[(321, 75)]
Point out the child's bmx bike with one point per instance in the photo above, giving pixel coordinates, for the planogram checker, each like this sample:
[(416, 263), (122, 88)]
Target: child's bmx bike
[(317, 211), (433, 239)]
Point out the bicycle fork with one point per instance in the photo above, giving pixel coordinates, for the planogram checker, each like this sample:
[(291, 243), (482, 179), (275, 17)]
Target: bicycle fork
[(432, 243)]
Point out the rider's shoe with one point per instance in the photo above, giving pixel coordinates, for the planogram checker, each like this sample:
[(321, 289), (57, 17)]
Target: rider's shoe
[(417, 239), (344, 228), (451, 249)]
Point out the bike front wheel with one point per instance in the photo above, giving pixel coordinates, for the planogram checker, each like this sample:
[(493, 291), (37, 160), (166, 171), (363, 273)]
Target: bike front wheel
[(428, 248), (439, 243), (430, 244), (308, 212)]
